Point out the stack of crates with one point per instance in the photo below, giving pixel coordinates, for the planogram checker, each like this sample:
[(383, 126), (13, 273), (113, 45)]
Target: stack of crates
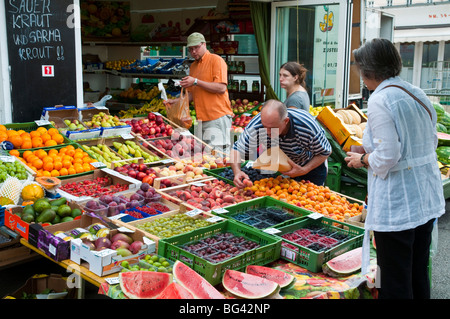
[(333, 180)]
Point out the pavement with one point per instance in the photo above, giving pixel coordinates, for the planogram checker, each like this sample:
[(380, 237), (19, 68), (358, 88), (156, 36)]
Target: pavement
[(13, 277)]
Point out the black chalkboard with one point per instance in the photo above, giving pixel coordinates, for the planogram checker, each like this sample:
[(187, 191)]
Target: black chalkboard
[(40, 33)]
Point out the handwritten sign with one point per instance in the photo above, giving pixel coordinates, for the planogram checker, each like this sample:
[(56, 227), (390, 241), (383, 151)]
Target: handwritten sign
[(41, 50)]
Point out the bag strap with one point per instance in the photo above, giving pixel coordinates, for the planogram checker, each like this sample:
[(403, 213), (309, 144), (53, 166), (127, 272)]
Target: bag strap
[(412, 95)]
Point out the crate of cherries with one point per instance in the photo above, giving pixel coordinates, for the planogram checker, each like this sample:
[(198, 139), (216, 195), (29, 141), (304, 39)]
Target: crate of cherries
[(94, 188), (314, 237), (220, 247)]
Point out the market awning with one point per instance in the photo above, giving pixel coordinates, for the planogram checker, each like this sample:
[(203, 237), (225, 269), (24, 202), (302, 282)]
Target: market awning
[(421, 35)]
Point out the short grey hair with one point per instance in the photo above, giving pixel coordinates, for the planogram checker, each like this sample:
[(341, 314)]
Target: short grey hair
[(279, 106)]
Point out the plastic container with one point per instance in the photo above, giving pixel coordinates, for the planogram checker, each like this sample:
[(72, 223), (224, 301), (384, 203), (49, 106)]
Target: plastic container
[(267, 250)]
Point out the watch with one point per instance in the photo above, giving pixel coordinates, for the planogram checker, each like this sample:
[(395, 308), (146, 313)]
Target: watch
[(362, 159), (195, 81)]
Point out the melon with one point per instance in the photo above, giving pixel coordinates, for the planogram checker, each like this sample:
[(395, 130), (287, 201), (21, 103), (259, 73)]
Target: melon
[(443, 154), (443, 139), (248, 286), (198, 286), (440, 111), (345, 264), (143, 284), (280, 277), (175, 291)]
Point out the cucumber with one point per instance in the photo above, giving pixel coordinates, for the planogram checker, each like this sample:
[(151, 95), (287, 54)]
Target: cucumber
[(46, 216)]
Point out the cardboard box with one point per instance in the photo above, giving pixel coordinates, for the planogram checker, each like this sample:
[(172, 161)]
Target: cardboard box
[(351, 140), (56, 247), (38, 283), (115, 177), (107, 261), (28, 231)]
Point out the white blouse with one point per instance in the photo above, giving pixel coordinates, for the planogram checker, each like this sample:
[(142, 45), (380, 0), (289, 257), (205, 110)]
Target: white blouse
[(404, 182)]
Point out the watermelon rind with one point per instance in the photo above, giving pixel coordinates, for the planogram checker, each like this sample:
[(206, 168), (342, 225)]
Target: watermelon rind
[(440, 111), (248, 286), (280, 277), (441, 128), (198, 286), (345, 264), (175, 291), (443, 139), (143, 284)]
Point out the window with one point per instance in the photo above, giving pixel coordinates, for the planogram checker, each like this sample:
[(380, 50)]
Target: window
[(407, 55), (429, 74)]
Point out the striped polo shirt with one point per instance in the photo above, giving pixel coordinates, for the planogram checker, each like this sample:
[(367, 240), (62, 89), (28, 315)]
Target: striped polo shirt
[(304, 140)]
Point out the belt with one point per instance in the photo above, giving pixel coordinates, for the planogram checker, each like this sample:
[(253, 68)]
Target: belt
[(413, 162)]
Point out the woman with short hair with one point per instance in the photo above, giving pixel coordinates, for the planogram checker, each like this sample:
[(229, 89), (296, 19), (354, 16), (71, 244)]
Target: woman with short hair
[(405, 192)]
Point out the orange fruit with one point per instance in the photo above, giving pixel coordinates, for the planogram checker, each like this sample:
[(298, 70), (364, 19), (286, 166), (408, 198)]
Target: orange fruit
[(63, 171), (66, 164), (50, 143), (26, 154), (58, 138), (14, 153), (37, 163), (41, 153), (71, 170), (57, 165), (87, 167), (3, 128), (11, 133), (41, 130), (46, 173), (35, 134), (52, 131), (16, 140), (3, 136), (47, 158), (52, 152), (27, 144), (48, 166), (54, 173), (37, 142), (46, 137)]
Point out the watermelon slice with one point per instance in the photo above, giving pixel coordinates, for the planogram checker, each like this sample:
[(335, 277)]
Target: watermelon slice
[(280, 277), (198, 286), (345, 264), (248, 286), (175, 291), (443, 139), (143, 284)]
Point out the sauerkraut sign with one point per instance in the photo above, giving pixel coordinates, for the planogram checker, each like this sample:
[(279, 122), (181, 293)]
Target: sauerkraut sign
[(41, 38), (325, 53)]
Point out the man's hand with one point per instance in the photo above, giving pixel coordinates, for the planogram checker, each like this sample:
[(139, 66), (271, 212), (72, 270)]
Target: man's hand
[(239, 179), (296, 170), (187, 81)]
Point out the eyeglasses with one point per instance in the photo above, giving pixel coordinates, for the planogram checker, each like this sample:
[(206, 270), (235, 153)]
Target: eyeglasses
[(195, 48)]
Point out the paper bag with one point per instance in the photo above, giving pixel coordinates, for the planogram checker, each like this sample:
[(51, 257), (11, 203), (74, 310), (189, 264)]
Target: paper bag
[(273, 159), (179, 112)]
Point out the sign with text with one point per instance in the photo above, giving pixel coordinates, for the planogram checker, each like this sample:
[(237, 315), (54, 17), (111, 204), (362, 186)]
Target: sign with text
[(41, 50)]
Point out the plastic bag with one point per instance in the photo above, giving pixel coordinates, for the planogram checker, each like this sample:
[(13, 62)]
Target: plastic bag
[(178, 112)]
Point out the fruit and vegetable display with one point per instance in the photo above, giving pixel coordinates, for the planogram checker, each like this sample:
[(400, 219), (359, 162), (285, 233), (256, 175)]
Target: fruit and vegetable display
[(118, 64), (132, 150), (149, 262), (220, 247), (239, 106), (103, 119), (47, 211), (151, 126), (14, 169), (179, 168), (94, 188), (252, 173), (67, 160), (208, 195), (155, 105), (263, 217), (40, 137), (164, 227), (179, 146)]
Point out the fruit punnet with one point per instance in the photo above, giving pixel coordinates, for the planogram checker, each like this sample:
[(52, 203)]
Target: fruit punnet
[(198, 286), (345, 264), (143, 284), (248, 286), (280, 277)]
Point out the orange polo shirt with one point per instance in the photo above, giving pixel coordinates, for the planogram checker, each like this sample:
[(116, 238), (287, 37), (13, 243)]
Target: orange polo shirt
[(210, 106)]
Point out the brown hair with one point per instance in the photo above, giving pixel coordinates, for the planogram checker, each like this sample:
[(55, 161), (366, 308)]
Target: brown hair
[(295, 68)]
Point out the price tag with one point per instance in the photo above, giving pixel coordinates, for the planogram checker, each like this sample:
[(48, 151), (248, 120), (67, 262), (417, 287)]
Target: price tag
[(289, 254), (125, 230), (98, 164), (315, 215), (98, 107), (249, 164), (199, 184), (127, 136), (215, 219), (272, 231), (7, 159), (156, 113), (246, 114), (220, 210), (112, 280), (42, 122), (118, 216), (186, 133), (194, 212), (166, 161)]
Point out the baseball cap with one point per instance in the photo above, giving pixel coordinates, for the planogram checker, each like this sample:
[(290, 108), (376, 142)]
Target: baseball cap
[(195, 39)]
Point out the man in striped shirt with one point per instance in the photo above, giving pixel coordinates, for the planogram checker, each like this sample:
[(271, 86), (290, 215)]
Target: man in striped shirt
[(297, 134)]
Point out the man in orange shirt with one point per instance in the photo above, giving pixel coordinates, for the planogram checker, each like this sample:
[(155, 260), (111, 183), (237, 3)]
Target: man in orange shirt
[(207, 87)]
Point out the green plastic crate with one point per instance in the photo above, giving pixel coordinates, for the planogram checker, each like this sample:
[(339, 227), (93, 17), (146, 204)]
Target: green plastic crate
[(268, 250), (333, 180), (311, 259), (230, 212), (351, 188), (31, 126)]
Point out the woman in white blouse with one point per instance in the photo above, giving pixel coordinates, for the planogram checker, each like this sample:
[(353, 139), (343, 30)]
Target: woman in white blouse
[(405, 194)]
